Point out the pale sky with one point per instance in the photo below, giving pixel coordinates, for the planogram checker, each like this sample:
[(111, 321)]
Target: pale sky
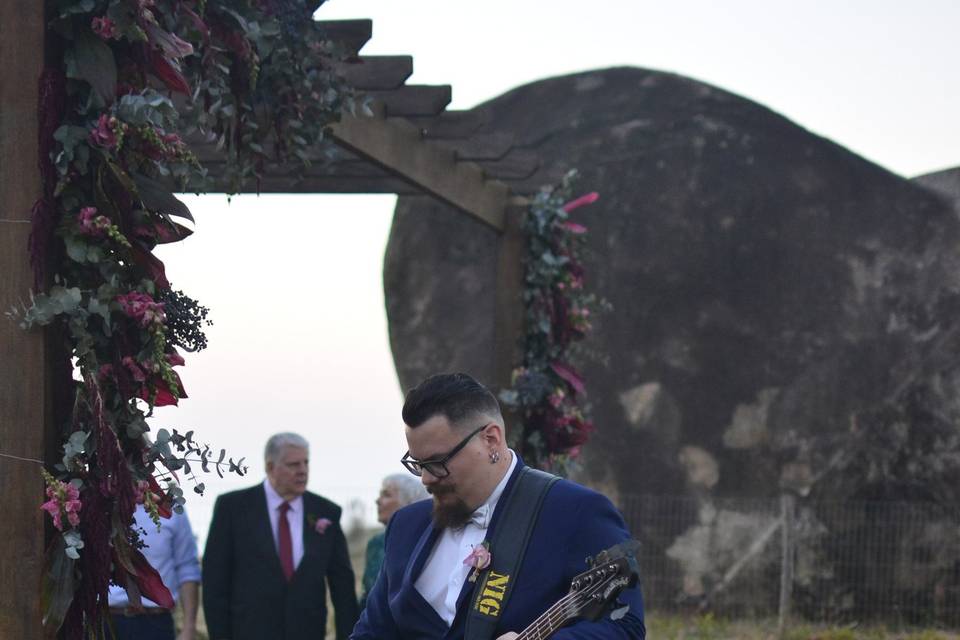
[(294, 282)]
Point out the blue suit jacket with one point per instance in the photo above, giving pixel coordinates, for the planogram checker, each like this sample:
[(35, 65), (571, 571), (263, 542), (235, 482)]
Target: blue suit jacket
[(574, 523)]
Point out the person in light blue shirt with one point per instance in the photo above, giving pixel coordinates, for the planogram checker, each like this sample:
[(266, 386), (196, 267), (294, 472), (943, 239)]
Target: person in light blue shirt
[(172, 551)]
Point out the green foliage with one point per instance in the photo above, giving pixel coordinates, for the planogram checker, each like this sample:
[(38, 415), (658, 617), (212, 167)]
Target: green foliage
[(547, 390), (257, 76)]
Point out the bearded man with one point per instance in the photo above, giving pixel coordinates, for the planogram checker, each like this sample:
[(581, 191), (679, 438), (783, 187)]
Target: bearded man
[(434, 553)]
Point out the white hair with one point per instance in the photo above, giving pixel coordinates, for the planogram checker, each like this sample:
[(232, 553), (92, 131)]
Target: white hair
[(409, 489), (278, 441)]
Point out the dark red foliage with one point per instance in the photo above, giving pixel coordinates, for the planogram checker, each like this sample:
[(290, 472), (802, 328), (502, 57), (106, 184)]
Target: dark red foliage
[(152, 265), (44, 215), (165, 70)]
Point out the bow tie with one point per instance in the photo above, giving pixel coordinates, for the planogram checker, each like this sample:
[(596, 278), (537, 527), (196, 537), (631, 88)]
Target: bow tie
[(481, 517)]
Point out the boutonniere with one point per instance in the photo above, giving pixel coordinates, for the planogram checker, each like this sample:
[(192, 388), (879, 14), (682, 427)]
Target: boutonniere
[(319, 524), (479, 559)]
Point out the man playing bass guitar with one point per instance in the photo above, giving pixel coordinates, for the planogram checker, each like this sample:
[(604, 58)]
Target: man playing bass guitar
[(498, 545)]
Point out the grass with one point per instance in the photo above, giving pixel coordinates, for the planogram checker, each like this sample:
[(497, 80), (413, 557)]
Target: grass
[(709, 627)]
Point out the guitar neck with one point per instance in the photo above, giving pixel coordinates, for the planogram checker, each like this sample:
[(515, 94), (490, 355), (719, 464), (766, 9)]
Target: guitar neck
[(553, 618)]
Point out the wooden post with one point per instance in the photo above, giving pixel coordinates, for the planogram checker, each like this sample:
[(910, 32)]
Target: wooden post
[(24, 408), (508, 327), (787, 504)]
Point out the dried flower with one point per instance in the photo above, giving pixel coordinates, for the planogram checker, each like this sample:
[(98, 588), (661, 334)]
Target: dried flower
[(320, 526)]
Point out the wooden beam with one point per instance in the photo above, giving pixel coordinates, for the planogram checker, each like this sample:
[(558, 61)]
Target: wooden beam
[(397, 146), (449, 125), (377, 73), (350, 34), (519, 164), (414, 100), (329, 184), (491, 146), (24, 376)]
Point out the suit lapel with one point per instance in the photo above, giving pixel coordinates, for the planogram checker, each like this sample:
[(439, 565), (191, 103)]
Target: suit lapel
[(420, 554)]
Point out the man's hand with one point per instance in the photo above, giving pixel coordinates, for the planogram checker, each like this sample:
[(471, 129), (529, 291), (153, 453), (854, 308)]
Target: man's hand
[(510, 635)]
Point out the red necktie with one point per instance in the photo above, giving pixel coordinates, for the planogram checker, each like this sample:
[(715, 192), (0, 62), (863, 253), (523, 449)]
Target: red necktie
[(285, 542)]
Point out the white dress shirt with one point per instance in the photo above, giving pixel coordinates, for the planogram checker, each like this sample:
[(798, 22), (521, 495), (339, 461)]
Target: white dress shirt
[(294, 518), (444, 573)]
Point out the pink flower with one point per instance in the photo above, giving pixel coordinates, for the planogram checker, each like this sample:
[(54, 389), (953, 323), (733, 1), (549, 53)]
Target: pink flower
[(320, 526), (52, 507), (104, 27), (103, 135), (92, 224), (141, 490), (479, 558), (64, 498), (142, 308), (589, 198)]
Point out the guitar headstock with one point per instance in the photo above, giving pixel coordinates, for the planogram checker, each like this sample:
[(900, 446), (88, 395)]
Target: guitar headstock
[(611, 571)]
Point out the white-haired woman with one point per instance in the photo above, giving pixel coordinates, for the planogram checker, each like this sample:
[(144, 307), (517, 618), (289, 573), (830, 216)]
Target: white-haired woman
[(397, 490)]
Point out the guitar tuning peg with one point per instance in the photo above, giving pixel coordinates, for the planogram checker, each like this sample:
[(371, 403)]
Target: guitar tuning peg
[(620, 611), (589, 562)]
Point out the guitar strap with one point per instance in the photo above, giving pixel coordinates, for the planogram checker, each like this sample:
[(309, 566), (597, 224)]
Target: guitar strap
[(507, 548)]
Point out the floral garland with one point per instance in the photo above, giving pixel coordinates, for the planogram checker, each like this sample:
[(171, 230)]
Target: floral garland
[(257, 77), (547, 392)]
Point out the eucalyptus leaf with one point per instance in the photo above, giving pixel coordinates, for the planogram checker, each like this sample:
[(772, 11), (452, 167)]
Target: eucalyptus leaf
[(96, 65), (76, 249)]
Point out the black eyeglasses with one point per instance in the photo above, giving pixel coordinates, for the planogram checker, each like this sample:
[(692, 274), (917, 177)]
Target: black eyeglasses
[(437, 467)]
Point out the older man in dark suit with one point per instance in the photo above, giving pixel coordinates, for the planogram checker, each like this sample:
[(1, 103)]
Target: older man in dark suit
[(271, 552)]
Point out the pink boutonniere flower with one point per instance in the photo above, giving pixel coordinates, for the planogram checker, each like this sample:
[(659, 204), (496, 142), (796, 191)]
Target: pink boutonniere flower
[(321, 524), (479, 559)]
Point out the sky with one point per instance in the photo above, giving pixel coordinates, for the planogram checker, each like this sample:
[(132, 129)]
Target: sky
[(294, 285)]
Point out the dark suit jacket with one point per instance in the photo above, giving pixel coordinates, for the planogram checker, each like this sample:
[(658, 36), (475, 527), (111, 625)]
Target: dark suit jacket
[(245, 595), (574, 523)]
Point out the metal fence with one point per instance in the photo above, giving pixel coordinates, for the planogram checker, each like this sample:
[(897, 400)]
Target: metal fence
[(822, 562)]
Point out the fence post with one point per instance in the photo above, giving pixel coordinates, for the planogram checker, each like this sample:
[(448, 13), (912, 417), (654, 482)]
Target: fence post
[(787, 541)]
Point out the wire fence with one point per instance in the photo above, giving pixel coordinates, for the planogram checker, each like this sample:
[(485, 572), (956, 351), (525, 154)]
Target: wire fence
[(821, 562)]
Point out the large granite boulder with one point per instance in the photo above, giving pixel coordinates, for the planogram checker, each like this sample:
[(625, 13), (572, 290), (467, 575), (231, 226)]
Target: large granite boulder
[(945, 182), (773, 292)]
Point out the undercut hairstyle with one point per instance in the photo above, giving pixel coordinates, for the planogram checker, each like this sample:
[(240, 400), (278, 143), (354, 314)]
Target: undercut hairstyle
[(455, 396), (278, 441), (409, 488)]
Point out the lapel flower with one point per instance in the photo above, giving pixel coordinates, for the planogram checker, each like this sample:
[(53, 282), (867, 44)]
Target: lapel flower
[(479, 559), (319, 524)]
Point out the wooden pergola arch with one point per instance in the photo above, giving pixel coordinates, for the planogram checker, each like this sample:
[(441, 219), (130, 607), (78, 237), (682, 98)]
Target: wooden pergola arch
[(411, 145)]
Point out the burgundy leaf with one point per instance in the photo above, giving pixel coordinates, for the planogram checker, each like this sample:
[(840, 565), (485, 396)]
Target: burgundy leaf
[(152, 265), (569, 374), (168, 73)]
